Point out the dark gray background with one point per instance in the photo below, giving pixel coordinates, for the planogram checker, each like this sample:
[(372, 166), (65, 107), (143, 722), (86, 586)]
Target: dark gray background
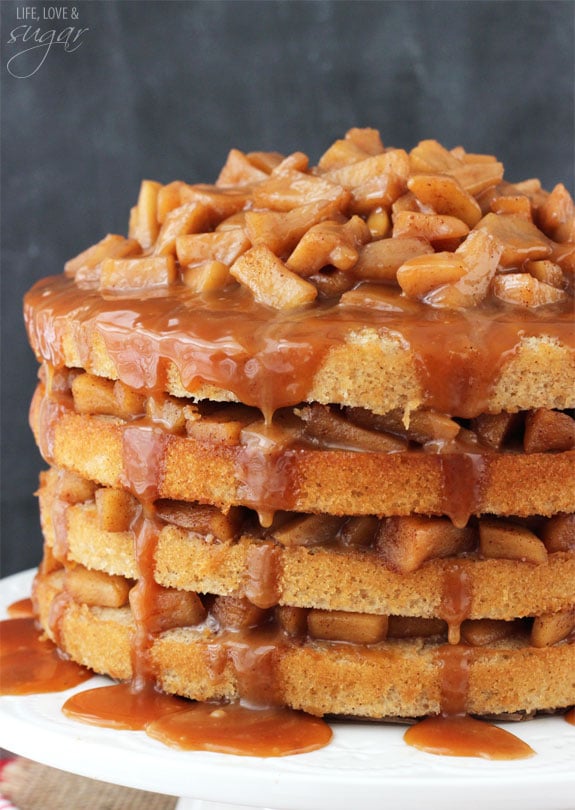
[(164, 89)]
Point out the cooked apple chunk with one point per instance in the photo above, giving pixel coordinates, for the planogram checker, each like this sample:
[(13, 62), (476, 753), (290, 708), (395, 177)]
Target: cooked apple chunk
[(553, 627), (502, 539), (405, 543), (97, 588), (270, 281), (338, 625)]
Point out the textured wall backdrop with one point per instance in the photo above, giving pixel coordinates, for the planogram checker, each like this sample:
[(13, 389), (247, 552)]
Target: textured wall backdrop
[(126, 89)]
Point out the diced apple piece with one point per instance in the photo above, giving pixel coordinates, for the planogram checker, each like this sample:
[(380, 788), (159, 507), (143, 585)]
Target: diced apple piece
[(415, 627), (482, 632), (422, 274), (169, 198), (381, 259), (421, 426), (168, 412), (405, 543), (477, 176), (431, 156), (116, 509), (331, 429), (548, 431), (72, 488), (238, 613), (293, 620), (288, 188), (436, 228), (359, 531), (329, 243), (224, 426), (86, 266), (280, 231), (500, 539), (355, 628), (220, 246), (557, 215), (518, 204), (524, 290), (169, 608), (481, 256), (379, 223), (97, 588), (266, 161), (494, 429), (376, 181), (129, 402), (446, 196), (552, 627), (203, 519), (186, 219), (519, 237), (136, 274), (270, 281), (207, 277), (547, 272), (238, 170), (94, 395), (558, 533), (146, 218), (308, 530)]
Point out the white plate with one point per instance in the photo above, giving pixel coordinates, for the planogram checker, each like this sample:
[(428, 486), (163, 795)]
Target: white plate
[(366, 766)]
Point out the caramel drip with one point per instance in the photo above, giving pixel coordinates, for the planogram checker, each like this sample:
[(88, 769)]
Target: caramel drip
[(253, 657), (56, 617), (454, 661), (456, 599), (570, 717), (144, 450), (263, 573), (269, 359), (266, 476), (59, 515), (144, 598), (462, 483), (51, 409)]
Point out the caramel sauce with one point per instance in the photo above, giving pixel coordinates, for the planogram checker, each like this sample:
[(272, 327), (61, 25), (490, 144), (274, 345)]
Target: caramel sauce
[(144, 598), (262, 586), (455, 599), (570, 717), (235, 729), (121, 706), (454, 661), (21, 609), (31, 664), (144, 449), (269, 358), (463, 736), (462, 476)]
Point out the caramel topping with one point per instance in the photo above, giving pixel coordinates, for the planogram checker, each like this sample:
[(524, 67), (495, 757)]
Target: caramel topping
[(570, 717), (31, 664), (235, 729), (466, 737), (121, 706), (22, 609), (269, 358)]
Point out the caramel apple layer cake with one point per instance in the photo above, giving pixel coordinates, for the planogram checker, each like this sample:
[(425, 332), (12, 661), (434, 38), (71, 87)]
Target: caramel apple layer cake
[(310, 438)]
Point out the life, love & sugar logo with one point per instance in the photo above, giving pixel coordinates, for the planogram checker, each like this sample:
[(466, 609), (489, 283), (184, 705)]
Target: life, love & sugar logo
[(40, 30)]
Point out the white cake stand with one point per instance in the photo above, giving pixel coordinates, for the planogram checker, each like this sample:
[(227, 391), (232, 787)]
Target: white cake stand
[(367, 766)]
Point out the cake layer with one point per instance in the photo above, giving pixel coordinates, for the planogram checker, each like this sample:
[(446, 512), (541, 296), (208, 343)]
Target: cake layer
[(339, 482), (320, 572), (395, 678), (376, 279), (370, 358)]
